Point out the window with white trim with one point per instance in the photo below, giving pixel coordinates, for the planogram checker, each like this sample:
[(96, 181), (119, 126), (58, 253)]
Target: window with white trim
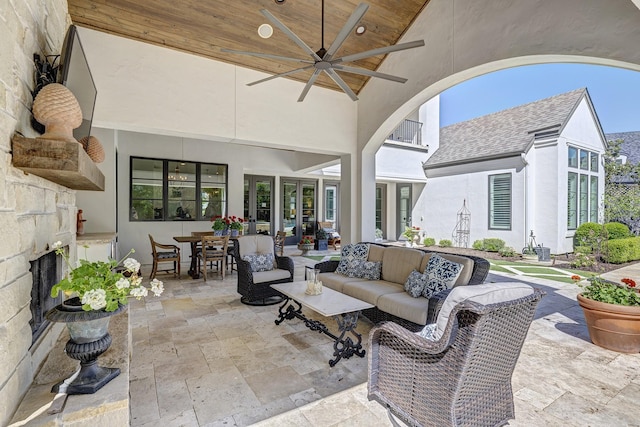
[(500, 201), (582, 187)]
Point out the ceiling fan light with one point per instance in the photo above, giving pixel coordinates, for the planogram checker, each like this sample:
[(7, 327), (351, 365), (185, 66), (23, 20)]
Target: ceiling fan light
[(265, 31), (361, 29)]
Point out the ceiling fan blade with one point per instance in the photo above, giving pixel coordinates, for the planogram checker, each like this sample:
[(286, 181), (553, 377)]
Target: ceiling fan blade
[(379, 51), (336, 78), (267, 55), (297, 40), (310, 83), (365, 72), (288, 73), (348, 27)]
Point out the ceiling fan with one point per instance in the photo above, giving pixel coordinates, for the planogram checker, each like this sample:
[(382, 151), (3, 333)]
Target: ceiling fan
[(323, 59)]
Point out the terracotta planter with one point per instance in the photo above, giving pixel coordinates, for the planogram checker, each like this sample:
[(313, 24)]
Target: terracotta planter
[(611, 326)]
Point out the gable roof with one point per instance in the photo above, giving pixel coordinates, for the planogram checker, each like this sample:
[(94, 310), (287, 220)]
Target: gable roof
[(504, 133), (630, 147)]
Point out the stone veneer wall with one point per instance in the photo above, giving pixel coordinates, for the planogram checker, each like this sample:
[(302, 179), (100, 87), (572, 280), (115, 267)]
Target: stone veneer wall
[(34, 212)]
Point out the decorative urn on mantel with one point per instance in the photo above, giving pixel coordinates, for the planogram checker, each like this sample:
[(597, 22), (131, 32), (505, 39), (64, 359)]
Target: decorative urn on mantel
[(58, 110)]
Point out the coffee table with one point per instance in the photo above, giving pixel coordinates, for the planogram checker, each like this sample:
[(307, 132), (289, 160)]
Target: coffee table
[(329, 303)]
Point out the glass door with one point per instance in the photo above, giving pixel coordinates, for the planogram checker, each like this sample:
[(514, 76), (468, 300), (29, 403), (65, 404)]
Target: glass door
[(298, 209), (258, 205), (404, 208)]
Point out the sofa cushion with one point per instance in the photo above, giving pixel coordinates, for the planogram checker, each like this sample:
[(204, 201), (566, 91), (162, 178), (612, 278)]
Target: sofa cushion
[(398, 263), (465, 274), (415, 283), (259, 262), (375, 253), (364, 269), (403, 305), (336, 281), (370, 290), (351, 252), (441, 275)]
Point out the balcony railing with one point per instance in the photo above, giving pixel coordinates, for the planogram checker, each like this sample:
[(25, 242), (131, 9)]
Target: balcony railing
[(408, 131)]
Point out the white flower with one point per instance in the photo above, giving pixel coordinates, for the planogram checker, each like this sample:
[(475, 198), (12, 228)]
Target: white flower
[(157, 287), (122, 283), (135, 281), (131, 265), (56, 245), (96, 298), (139, 292)]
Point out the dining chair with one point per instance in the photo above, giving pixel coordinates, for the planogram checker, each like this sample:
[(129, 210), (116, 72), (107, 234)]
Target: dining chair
[(213, 249), (167, 253), (278, 241)]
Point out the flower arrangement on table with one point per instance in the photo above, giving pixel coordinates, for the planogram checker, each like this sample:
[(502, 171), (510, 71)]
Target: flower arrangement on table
[(99, 285), (597, 289), (220, 223), (236, 223), (411, 232), (306, 240)]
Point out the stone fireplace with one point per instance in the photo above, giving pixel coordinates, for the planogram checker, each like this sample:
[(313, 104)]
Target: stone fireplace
[(45, 273)]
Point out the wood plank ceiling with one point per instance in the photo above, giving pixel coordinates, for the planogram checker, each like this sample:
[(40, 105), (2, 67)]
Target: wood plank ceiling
[(203, 27)]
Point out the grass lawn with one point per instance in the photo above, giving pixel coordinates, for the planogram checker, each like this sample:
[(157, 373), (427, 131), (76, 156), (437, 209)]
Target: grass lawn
[(543, 272)]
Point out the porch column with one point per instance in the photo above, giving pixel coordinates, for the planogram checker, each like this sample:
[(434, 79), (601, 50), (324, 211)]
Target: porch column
[(366, 200), (348, 203)]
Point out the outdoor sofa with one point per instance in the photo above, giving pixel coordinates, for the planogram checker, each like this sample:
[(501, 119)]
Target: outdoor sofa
[(392, 301)]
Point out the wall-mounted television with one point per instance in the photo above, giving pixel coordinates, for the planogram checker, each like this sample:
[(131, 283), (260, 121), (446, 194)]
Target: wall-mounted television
[(74, 73)]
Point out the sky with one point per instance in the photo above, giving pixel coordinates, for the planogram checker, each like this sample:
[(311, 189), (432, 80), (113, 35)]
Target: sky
[(615, 92)]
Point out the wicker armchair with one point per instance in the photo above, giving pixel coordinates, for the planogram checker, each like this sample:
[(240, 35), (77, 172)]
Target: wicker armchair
[(461, 379), (255, 287)]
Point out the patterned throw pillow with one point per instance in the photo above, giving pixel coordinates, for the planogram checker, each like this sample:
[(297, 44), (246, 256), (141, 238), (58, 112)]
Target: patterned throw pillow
[(415, 283), (260, 262), (365, 269), (350, 253), (441, 275)]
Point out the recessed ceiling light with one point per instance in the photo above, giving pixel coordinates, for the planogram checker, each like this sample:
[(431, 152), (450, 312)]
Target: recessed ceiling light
[(279, 1), (265, 31), (360, 29)]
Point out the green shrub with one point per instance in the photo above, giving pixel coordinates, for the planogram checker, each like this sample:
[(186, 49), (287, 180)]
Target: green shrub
[(478, 246), (429, 241), (445, 243), (588, 234), (622, 250), (493, 244), (583, 250), (507, 251), (617, 230)]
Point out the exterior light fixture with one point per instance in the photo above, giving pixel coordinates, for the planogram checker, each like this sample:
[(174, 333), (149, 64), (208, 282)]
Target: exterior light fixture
[(265, 31)]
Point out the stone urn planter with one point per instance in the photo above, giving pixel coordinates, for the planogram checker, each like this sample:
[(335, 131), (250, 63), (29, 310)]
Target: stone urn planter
[(611, 326), (305, 247)]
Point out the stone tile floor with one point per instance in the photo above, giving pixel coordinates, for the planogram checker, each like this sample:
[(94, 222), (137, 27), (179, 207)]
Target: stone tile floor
[(201, 358)]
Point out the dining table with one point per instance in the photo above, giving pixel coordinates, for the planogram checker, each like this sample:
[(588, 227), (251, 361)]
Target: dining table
[(193, 240)]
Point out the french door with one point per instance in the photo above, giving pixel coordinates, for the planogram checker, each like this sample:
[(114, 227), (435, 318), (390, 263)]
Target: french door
[(258, 204), (298, 209), (404, 207)]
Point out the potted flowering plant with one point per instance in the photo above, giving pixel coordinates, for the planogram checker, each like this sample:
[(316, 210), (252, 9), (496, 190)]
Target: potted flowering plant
[(612, 312), (220, 224), (100, 285), (236, 224), (410, 233), (305, 244)]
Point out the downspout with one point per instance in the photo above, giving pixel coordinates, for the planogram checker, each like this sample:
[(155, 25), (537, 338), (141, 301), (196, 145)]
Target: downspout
[(526, 199)]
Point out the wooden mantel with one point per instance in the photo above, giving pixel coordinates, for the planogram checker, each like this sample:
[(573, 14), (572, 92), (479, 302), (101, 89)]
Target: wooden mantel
[(65, 163)]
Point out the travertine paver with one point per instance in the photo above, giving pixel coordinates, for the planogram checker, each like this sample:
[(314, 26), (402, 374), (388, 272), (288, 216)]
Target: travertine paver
[(201, 358)]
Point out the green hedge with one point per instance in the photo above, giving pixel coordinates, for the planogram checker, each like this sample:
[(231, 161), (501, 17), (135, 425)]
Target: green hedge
[(617, 230), (445, 243), (619, 251), (493, 244), (429, 241), (478, 245)]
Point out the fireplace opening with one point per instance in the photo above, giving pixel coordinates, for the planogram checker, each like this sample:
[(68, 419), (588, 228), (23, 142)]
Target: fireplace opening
[(46, 272)]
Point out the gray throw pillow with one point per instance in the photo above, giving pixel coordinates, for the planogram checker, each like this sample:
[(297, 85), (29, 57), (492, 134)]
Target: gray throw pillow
[(415, 283), (441, 275), (364, 269)]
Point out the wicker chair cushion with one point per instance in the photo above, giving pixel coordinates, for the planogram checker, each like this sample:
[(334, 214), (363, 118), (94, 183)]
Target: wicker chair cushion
[(271, 275), (415, 283), (259, 262), (350, 253), (336, 281), (404, 306), (371, 290), (256, 244), (364, 269), (485, 294), (441, 275)]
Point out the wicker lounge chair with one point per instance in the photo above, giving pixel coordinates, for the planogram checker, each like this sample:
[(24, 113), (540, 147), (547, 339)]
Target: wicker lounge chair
[(255, 287), (461, 379)]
